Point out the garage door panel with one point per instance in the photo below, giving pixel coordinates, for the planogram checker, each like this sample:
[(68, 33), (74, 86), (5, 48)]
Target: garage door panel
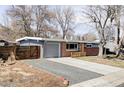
[(51, 50)]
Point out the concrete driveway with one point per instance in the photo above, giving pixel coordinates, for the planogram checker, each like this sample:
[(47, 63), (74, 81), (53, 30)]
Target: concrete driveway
[(73, 74), (90, 66), (113, 76)]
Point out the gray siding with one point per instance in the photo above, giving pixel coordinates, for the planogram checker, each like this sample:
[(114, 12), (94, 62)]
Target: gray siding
[(31, 43)]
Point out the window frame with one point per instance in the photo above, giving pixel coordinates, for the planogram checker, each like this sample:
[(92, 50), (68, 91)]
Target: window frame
[(88, 45), (74, 49)]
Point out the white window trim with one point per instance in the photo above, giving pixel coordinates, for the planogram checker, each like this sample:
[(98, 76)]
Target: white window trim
[(92, 46), (76, 49)]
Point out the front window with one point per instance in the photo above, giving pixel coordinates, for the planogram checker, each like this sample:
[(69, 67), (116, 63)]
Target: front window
[(91, 45), (72, 46)]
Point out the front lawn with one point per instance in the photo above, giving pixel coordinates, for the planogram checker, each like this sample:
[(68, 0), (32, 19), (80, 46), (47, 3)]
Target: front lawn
[(111, 62), (23, 75)]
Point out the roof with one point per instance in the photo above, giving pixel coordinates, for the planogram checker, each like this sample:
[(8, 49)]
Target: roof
[(7, 43), (2, 40), (38, 38), (49, 39)]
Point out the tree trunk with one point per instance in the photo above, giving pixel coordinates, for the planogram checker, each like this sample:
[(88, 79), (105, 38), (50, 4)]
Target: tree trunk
[(118, 53), (64, 36), (101, 48), (12, 58), (118, 32), (118, 50), (118, 35)]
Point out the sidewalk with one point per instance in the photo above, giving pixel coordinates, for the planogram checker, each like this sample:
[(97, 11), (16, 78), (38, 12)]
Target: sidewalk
[(110, 80)]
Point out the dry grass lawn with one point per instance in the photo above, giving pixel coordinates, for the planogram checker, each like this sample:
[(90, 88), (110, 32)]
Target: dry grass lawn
[(111, 62), (23, 75)]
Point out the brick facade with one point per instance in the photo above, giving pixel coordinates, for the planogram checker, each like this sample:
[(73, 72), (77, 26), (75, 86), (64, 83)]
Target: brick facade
[(91, 51), (65, 53), (84, 50)]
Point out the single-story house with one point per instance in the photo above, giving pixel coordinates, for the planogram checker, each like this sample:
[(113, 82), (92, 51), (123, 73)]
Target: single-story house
[(60, 48)]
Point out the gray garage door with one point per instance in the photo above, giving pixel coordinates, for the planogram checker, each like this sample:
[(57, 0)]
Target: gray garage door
[(51, 50)]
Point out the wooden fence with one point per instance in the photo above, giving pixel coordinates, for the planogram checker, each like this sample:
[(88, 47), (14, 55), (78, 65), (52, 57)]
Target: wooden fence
[(21, 52), (27, 52)]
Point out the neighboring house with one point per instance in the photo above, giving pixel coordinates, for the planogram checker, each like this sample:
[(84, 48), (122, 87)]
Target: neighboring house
[(7, 43), (59, 47), (111, 46)]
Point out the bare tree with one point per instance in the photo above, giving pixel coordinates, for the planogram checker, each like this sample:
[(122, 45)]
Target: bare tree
[(79, 37), (120, 46), (100, 16), (7, 34), (22, 15), (89, 37), (116, 18), (43, 20), (6, 31), (64, 18), (110, 33), (117, 22)]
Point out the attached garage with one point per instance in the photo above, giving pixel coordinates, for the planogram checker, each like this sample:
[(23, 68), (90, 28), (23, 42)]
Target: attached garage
[(52, 50), (47, 48)]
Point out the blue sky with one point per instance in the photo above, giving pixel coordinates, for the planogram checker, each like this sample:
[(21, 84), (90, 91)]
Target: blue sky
[(3, 9), (80, 29)]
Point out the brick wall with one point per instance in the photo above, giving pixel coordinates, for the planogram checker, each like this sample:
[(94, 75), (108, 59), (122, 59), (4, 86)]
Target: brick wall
[(91, 51), (65, 53)]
